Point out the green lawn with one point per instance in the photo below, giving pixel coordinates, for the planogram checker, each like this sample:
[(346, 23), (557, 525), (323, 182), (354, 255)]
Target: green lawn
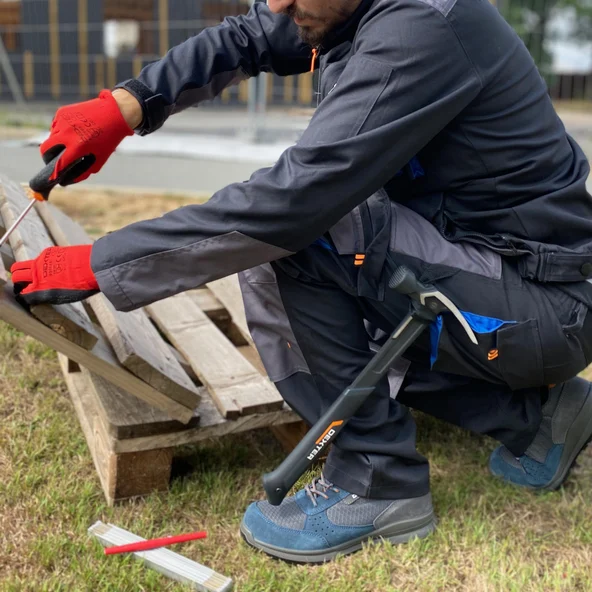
[(490, 537)]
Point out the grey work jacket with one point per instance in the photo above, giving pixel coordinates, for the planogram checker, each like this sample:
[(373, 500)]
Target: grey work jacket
[(446, 84)]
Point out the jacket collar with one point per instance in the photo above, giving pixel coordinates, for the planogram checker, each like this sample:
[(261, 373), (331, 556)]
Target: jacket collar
[(346, 31)]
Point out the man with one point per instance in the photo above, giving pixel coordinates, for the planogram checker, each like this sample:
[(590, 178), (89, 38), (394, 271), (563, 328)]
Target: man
[(434, 145)]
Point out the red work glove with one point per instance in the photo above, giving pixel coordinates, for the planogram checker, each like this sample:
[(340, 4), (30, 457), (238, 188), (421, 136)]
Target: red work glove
[(92, 130), (58, 275)]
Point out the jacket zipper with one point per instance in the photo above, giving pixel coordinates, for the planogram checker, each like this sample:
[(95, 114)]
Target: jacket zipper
[(315, 56)]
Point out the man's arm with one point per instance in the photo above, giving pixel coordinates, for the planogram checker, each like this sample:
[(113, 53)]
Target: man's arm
[(84, 135), (408, 79), (203, 66)]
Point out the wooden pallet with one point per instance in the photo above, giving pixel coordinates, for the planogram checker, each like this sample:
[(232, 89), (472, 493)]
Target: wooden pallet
[(181, 371), (132, 446)]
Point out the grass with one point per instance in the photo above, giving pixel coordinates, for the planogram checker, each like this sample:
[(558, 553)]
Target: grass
[(17, 123), (103, 210), (491, 537)]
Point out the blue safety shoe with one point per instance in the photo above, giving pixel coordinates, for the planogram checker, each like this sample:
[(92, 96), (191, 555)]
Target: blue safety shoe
[(322, 521), (565, 430)]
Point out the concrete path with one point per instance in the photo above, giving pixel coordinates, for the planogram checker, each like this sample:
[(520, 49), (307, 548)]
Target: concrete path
[(199, 150), (202, 151), (165, 173)]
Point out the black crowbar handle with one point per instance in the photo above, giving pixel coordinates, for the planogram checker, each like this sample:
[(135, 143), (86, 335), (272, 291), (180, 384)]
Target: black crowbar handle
[(426, 305)]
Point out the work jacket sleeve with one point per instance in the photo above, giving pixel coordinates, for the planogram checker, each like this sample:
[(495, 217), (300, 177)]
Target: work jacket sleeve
[(407, 79), (203, 66)]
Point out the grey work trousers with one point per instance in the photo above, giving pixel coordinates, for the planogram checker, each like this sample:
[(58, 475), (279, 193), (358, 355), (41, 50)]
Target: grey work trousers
[(312, 328)]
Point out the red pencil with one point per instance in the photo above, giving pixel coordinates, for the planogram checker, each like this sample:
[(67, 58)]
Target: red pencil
[(155, 543)]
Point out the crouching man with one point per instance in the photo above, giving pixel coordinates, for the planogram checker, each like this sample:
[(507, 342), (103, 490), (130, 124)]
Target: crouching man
[(435, 145)]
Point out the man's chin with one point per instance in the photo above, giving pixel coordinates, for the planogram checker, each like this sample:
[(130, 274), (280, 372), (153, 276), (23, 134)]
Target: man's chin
[(313, 36)]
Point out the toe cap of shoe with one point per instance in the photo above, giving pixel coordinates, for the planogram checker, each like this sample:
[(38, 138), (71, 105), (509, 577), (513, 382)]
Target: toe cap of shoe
[(266, 532), (501, 467)]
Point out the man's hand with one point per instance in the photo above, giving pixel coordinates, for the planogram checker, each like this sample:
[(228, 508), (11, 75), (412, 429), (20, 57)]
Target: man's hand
[(88, 133), (59, 275)]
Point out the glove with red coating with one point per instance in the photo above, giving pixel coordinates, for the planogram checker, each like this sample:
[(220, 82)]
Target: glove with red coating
[(57, 276), (87, 133)]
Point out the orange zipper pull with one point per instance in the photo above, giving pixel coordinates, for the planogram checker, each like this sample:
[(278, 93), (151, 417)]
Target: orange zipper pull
[(315, 53)]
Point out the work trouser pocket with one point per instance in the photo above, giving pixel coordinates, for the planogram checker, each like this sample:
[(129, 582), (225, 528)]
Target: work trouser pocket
[(571, 350), (269, 324), (579, 333), (520, 354), (510, 354)]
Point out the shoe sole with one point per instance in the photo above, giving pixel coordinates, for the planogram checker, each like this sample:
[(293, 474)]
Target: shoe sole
[(396, 534), (578, 436)]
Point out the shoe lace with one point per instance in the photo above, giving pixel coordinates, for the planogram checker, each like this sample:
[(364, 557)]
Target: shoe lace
[(319, 486)]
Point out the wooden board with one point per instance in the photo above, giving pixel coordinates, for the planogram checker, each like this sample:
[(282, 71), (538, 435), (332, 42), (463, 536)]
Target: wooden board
[(27, 241), (100, 359), (127, 417), (7, 255), (211, 423), (129, 422), (140, 348), (184, 364), (3, 274), (122, 475), (61, 227), (135, 467), (253, 357), (288, 435), (206, 300), (227, 291), (236, 387), (135, 340)]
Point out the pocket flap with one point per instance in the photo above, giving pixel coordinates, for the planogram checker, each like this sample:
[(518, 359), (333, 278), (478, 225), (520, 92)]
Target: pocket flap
[(520, 355)]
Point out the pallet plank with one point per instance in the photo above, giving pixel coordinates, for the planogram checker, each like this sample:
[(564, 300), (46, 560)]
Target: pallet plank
[(3, 274), (206, 300), (6, 255), (135, 467), (289, 434), (227, 291), (236, 387), (100, 359), (61, 227), (135, 340), (141, 350), (126, 416), (27, 241), (211, 423), (122, 475)]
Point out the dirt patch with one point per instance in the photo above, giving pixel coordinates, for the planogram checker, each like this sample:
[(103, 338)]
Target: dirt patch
[(17, 133), (104, 210)]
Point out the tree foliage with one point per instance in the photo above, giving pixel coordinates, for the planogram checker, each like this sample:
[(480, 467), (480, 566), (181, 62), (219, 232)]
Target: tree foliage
[(533, 20)]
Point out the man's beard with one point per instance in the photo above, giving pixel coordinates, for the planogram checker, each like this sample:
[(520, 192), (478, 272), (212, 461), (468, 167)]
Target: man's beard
[(314, 36)]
